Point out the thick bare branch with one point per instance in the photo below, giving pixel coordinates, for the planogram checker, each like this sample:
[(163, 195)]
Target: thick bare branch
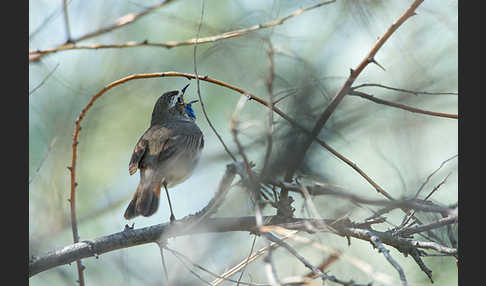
[(132, 237)]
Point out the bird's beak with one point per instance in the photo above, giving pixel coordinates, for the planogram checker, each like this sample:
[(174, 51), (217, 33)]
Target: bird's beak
[(183, 90), (194, 101)]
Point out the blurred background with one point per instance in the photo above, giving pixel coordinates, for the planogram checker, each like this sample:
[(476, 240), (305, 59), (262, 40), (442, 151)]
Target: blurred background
[(313, 53)]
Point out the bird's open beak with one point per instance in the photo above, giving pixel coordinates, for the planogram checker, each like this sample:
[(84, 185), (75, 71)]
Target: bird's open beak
[(183, 90)]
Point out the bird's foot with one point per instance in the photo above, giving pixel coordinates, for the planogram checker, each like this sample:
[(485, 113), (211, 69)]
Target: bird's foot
[(172, 218)]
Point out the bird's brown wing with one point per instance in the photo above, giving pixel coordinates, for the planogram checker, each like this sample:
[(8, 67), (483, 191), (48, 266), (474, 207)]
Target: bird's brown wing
[(137, 155), (152, 143)]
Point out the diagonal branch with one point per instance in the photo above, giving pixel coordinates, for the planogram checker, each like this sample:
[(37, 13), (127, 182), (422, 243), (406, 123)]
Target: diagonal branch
[(381, 248), (347, 86)]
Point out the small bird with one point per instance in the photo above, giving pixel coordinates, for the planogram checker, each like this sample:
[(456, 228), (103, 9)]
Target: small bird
[(166, 154)]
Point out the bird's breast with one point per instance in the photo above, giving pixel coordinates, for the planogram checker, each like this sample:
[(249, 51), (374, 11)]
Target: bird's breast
[(180, 168)]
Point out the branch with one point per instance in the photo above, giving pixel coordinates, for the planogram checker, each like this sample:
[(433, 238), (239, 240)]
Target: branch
[(401, 106), (68, 35), (44, 80), (349, 82), (403, 90), (381, 248), (36, 55), (233, 270), (120, 22), (132, 237), (426, 227), (414, 204)]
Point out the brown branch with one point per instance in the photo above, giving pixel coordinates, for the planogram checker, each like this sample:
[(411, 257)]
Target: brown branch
[(399, 105), (324, 264), (426, 227), (68, 36), (234, 132), (431, 174), (347, 85), (269, 86), (36, 55), (403, 90), (120, 22), (409, 216)]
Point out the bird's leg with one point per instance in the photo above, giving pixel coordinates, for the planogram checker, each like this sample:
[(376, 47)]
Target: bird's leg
[(172, 217)]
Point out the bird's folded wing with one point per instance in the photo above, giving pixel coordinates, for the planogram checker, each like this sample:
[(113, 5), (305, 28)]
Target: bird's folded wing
[(152, 143)]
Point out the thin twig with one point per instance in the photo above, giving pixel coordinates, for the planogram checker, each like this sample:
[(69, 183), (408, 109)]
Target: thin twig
[(324, 264), (452, 219), (360, 264), (306, 263), (416, 256), (234, 132), (403, 90), (230, 272), (182, 257), (269, 85), (164, 265), (66, 21), (401, 106), (199, 89), (46, 20), (431, 174), (381, 248), (43, 160), (179, 257), (247, 260), (409, 216), (129, 18), (44, 80)]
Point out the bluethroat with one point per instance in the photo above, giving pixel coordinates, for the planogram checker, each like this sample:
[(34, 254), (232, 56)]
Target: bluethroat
[(166, 154)]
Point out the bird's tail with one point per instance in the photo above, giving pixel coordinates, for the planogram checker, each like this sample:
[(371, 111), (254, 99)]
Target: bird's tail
[(145, 201)]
